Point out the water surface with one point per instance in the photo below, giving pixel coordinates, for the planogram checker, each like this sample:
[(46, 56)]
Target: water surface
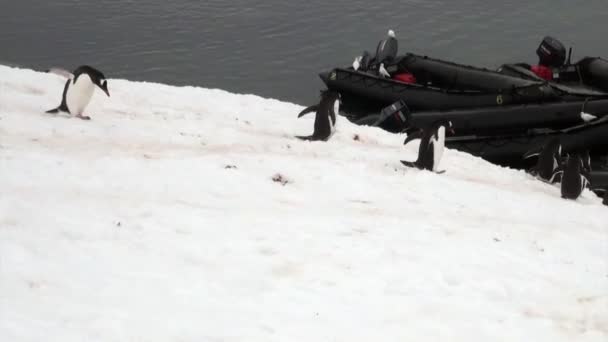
[(275, 48)]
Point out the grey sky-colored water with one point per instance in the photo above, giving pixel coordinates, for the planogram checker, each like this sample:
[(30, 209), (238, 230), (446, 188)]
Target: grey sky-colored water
[(275, 48)]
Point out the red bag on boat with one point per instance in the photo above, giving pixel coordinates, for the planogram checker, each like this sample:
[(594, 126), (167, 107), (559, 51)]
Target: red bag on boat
[(405, 77), (542, 72)]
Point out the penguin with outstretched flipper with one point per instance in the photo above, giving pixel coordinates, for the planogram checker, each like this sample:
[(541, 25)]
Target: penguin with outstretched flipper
[(432, 144), (549, 158), (325, 116), (78, 90)]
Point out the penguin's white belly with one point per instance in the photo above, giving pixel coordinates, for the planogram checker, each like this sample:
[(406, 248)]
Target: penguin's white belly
[(79, 94), (332, 124), (438, 147)]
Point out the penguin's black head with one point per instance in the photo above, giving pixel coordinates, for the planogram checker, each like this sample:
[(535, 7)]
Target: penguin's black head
[(330, 94), (554, 145), (574, 162), (445, 123), (450, 127), (98, 78)]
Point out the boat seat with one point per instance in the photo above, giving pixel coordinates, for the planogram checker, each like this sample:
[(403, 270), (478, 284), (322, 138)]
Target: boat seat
[(542, 71), (405, 77)]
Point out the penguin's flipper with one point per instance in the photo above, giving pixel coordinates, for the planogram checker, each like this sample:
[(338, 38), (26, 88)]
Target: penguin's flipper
[(439, 172), (535, 152), (61, 72), (586, 162), (307, 110), (408, 163), (584, 182), (586, 178), (62, 108), (556, 176), (412, 136)]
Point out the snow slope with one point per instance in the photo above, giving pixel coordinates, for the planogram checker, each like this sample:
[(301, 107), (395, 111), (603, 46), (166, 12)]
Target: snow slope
[(158, 220)]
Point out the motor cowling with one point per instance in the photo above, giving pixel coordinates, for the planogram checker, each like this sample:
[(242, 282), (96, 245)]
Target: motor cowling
[(551, 52), (386, 50)]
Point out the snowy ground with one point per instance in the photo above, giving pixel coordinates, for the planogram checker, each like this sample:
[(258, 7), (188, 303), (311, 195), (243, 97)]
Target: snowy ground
[(158, 220)]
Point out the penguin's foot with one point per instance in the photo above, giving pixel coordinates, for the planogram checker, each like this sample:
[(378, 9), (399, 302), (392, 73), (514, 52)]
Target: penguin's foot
[(408, 163), (83, 117), (440, 172), (313, 138), (551, 180)]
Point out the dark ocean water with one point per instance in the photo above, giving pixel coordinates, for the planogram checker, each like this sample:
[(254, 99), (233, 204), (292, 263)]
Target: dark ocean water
[(275, 48)]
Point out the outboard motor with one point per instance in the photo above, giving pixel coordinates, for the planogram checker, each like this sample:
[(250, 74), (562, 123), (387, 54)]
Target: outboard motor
[(398, 110), (551, 53), (387, 48)]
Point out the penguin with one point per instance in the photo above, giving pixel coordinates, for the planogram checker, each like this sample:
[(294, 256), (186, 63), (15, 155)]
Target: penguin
[(605, 202), (325, 118), (574, 176), (431, 146), (78, 91), (549, 159)]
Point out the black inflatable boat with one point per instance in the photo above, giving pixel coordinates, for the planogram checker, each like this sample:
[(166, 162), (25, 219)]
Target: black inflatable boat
[(497, 114), (508, 149), (439, 85), (425, 83), (511, 118)]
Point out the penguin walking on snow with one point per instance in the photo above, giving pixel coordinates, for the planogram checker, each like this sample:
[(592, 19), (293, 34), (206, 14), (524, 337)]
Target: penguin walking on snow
[(325, 118), (79, 89), (431, 148), (574, 176), (549, 159)]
